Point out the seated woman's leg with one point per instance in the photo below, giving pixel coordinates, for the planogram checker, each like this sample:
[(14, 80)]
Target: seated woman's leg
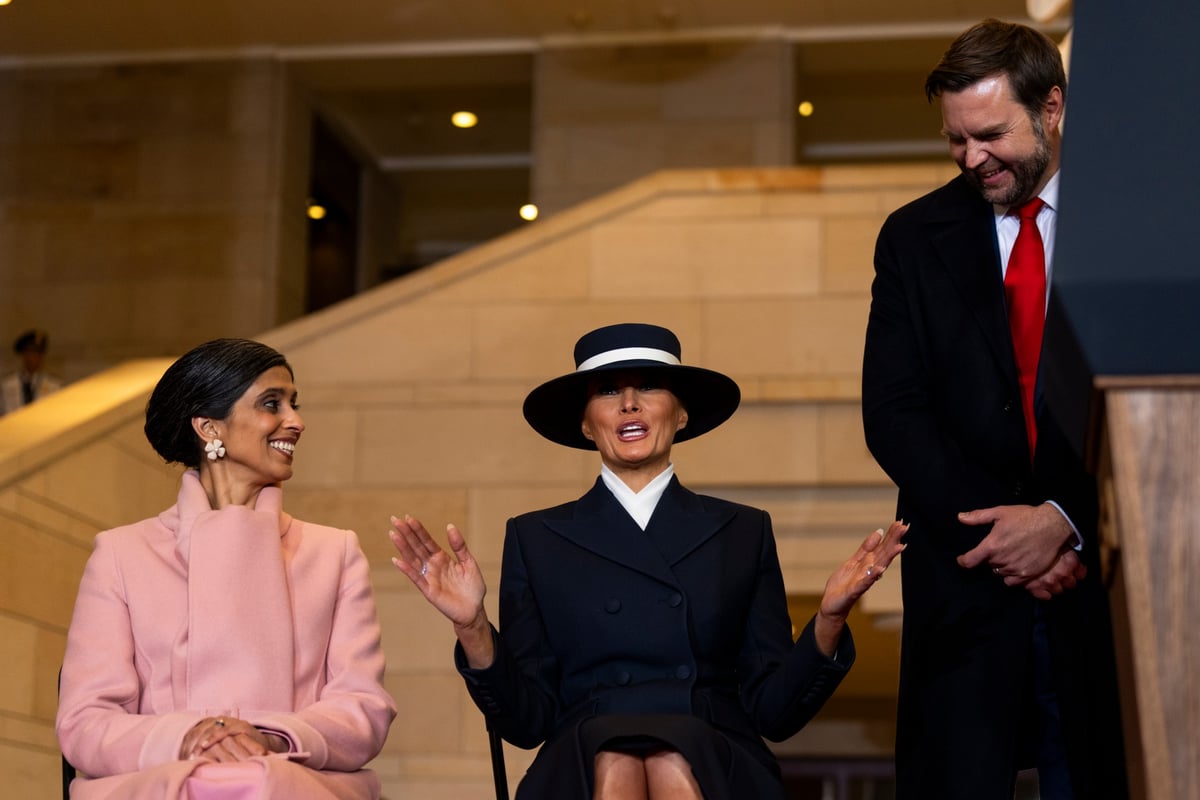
[(669, 777), (619, 776)]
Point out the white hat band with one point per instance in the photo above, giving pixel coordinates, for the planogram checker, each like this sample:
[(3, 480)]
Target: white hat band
[(628, 354)]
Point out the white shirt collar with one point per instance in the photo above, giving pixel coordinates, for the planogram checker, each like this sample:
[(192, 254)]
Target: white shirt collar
[(1049, 195), (639, 505)]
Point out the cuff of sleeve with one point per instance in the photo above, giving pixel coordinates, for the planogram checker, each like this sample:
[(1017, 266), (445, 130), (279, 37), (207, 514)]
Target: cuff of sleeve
[(843, 657), (166, 737), (475, 675), (302, 738), (1078, 537), (268, 730)]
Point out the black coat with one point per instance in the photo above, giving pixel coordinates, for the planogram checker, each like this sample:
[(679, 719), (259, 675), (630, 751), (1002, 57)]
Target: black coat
[(942, 414), (688, 617)]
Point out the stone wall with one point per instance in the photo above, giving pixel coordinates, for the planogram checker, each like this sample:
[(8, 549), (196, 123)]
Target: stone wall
[(148, 206), (607, 114), (412, 393)]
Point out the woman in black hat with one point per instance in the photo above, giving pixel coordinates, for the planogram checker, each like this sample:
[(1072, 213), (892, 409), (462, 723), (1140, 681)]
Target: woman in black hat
[(644, 634)]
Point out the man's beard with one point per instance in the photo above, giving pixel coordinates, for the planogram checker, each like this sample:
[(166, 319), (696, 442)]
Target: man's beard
[(1026, 173)]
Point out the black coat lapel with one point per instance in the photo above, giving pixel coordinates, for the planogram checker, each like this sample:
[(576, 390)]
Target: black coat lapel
[(965, 241), (603, 527), (680, 523)]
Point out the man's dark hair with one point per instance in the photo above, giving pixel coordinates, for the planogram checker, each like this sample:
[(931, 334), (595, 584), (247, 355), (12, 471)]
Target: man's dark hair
[(31, 340), (1029, 58), (205, 382)]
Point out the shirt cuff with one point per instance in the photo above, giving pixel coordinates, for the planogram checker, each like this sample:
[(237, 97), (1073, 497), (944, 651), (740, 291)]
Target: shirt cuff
[(1078, 538)]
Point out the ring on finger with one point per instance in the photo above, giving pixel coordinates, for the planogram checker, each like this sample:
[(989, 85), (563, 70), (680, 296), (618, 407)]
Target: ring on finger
[(220, 722), (424, 567)]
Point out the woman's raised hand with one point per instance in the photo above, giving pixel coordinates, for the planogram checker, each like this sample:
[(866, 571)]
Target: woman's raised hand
[(452, 582), (852, 579)]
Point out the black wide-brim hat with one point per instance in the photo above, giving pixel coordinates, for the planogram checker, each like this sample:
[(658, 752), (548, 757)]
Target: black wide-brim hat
[(555, 409)]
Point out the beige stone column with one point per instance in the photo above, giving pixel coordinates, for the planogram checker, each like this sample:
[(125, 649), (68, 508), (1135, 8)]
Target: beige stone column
[(148, 206)]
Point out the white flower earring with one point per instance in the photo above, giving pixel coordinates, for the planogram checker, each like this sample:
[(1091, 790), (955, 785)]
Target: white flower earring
[(215, 449)]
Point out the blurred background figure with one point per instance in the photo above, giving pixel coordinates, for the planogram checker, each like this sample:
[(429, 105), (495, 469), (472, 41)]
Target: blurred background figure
[(30, 381)]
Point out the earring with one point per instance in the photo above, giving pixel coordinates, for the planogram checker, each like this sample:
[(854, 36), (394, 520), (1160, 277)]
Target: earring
[(215, 449)]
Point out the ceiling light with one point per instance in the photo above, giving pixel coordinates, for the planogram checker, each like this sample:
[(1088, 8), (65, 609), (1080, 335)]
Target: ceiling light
[(316, 211), (463, 119), (529, 212), (805, 109)]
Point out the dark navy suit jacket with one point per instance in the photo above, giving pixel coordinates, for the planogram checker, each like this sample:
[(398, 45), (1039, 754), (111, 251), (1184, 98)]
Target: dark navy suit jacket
[(688, 617)]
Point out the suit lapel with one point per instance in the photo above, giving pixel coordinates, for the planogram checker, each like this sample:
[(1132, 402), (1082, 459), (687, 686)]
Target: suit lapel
[(965, 240), (680, 524), (601, 526)]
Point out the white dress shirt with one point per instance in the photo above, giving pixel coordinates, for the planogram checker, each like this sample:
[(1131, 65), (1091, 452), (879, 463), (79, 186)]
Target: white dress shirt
[(640, 505)]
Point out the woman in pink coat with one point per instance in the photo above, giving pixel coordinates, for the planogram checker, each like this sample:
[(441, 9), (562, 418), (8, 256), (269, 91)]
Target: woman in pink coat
[(224, 649)]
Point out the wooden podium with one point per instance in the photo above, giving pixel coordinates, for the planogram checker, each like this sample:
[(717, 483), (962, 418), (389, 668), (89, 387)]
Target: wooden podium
[(1149, 473)]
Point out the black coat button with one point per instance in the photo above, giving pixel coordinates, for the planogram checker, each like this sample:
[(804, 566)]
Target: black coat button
[(683, 672), (675, 600), (623, 678), (613, 605)]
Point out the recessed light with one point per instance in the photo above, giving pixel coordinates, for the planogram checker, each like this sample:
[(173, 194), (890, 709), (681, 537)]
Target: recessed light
[(463, 119)]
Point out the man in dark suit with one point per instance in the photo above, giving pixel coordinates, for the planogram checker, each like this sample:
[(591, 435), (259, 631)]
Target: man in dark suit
[(1007, 658)]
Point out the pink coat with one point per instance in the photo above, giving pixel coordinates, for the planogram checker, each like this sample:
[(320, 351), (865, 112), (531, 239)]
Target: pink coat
[(237, 612)]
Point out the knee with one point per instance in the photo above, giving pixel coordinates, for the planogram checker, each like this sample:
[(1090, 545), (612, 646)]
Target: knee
[(619, 775), (668, 760), (668, 771), (610, 761)]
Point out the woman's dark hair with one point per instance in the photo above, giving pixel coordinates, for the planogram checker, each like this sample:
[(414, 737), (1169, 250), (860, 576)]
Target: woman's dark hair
[(1028, 57), (205, 382)]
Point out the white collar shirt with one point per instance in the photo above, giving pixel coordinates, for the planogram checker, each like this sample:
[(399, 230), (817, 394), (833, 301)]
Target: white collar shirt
[(640, 505), (1008, 225)]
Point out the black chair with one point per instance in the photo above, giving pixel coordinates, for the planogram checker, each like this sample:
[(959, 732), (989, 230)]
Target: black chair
[(68, 771), (68, 775), (499, 775)]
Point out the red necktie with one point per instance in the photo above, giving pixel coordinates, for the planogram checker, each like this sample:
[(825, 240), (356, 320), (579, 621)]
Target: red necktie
[(1025, 291)]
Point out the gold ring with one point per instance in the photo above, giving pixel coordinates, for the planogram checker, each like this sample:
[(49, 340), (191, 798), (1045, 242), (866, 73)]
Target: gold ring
[(220, 722)]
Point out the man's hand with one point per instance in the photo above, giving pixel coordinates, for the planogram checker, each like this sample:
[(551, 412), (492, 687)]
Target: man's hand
[(1066, 572), (1024, 543)]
